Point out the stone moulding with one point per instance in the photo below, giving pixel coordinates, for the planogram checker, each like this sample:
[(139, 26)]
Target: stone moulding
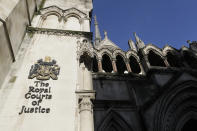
[(86, 93), (63, 13), (59, 32)]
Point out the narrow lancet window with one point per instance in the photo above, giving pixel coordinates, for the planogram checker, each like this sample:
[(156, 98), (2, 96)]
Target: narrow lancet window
[(135, 67), (95, 65), (155, 59), (120, 64), (86, 59), (106, 63)]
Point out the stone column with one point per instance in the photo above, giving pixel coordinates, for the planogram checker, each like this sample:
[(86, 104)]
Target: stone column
[(85, 78), (86, 114), (114, 65), (166, 63), (100, 68), (128, 66), (142, 69)]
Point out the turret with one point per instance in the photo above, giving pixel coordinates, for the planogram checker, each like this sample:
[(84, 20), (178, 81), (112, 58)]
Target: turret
[(132, 45)]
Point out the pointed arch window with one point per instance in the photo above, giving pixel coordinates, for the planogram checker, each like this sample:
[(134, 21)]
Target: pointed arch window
[(72, 23), (155, 59), (120, 64), (106, 63), (95, 65), (51, 22), (135, 67), (86, 59)]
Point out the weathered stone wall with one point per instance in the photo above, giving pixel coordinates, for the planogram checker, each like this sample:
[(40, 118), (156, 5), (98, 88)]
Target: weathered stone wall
[(62, 103), (5, 57), (15, 15), (82, 5)]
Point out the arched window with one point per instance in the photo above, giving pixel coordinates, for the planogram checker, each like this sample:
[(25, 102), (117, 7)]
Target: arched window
[(72, 23), (51, 22), (135, 67), (155, 60), (173, 60), (190, 59), (106, 63), (86, 59), (95, 65), (120, 64)]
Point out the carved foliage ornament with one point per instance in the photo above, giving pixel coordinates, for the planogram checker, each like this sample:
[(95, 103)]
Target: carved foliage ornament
[(44, 70)]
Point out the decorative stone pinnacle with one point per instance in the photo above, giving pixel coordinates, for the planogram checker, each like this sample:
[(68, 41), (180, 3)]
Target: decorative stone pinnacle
[(105, 33), (140, 44), (95, 20), (132, 44), (136, 37)]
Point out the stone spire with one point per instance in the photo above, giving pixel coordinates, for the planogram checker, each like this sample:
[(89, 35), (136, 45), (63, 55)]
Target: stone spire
[(132, 45), (97, 32), (140, 44)]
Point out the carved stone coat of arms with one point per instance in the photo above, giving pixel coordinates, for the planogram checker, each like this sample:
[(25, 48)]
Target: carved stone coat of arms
[(44, 70)]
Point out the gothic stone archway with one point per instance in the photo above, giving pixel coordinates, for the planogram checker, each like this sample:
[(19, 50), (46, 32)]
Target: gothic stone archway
[(176, 106)]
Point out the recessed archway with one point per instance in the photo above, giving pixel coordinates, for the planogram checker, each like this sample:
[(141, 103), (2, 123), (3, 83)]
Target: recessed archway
[(176, 107), (72, 23), (95, 65), (135, 67), (155, 60), (106, 63), (51, 22), (120, 64), (86, 59)]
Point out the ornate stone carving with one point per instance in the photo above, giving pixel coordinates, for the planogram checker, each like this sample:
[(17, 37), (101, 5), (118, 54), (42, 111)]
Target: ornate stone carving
[(59, 32), (44, 70), (85, 46), (74, 12), (85, 104)]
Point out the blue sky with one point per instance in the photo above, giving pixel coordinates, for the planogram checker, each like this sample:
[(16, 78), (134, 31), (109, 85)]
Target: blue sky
[(159, 22)]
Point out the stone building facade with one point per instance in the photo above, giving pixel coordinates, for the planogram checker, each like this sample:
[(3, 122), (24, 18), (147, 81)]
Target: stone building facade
[(54, 76)]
